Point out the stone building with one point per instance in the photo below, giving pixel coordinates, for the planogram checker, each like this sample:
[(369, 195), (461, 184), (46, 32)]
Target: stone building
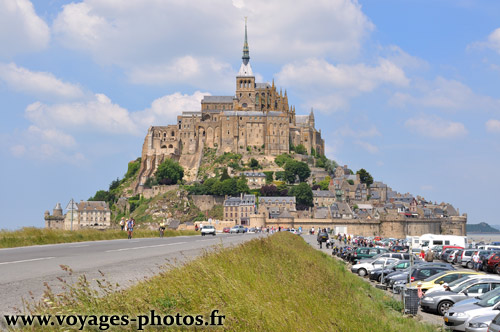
[(92, 214), (56, 220), (279, 202), (255, 118), (255, 180), (239, 209), (323, 198)]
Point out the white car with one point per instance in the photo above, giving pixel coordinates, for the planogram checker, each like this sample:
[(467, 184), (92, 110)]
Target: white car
[(207, 229), (363, 269)]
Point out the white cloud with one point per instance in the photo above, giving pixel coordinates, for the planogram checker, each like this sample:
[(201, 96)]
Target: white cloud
[(164, 110), (329, 87), (196, 71), (444, 94), (99, 114), (435, 127), (493, 42), (367, 146), (52, 136), (38, 83), (18, 150), (21, 30), (114, 32), (493, 126), (360, 133)]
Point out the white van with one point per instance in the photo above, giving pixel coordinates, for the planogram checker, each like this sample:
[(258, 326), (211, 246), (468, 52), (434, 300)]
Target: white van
[(431, 240)]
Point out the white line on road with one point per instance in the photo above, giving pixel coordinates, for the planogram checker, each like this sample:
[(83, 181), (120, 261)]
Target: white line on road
[(81, 246), (204, 240), (27, 260), (144, 247)]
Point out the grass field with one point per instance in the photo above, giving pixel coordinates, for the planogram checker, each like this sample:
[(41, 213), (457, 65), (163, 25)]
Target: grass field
[(32, 236), (279, 283)]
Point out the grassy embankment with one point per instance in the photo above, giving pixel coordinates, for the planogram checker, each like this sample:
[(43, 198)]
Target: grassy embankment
[(278, 283), (33, 236)]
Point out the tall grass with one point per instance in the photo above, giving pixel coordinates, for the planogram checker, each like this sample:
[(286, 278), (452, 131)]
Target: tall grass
[(277, 283), (32, 236)]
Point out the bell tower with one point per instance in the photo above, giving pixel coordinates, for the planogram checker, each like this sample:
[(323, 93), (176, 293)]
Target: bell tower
[(245, 81)]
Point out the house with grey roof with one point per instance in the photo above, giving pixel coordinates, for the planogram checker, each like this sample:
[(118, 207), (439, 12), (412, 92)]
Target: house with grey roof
[(255, 180), (239, 209), (323, 198), (340, 210)]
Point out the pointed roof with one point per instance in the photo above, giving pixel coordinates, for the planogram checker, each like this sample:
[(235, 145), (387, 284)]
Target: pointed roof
[(245, 69)]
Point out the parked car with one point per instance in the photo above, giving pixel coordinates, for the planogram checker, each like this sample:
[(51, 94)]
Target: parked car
[(495, 324), (442, 278), (492, 263), (467, 258), (398, 249), (446, 253), (457, 318), (226, 230), (376, 274), (367, 252), (207, 229), (362, 269), (442, 301), (480, 323), (458, 282), (420, 272), (237, 229)]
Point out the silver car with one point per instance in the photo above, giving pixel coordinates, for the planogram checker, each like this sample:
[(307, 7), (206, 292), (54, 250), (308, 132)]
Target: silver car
[(362, 269), (443, 300), (457, 319), (495, 324), (480, 323)]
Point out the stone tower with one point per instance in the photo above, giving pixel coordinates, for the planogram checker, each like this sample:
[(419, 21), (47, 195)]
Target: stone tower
[(245, 81)]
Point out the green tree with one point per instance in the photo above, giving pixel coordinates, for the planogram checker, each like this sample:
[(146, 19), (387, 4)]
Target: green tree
[(295, 168), (103, 195), (254, 164), (282, 159), (269, 176), (228, 187), (169, 172), (209, 184), (303, 195), (224, 175), (242, 186), (324, 183), (114, 184), (133, 167), (282, 189), (365, 177), (300, 149)]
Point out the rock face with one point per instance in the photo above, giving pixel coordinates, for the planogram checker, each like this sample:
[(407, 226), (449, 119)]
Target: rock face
[(257, 119)]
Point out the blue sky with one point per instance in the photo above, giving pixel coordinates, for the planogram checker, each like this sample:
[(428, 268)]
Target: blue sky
[(405, 89)]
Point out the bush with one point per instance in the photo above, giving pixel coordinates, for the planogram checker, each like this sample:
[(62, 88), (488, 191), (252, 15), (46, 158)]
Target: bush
[(169, 172), (269, 176), (300, 149), (282, 159), (133, 167)]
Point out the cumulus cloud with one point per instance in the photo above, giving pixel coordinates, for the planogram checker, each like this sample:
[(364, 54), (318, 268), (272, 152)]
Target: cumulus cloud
[(164, 110), (347, 131), (435, 127), (21, 29), (444, 94), (492, 42), (115, 32), (37, 83), (493, 126), (99, 114), (369, 147), (333, 85)]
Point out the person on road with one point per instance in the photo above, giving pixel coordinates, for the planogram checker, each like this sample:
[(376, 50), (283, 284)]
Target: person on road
[(130, 227), (429, 256), (475, 260), (122, 223), (162, 228)]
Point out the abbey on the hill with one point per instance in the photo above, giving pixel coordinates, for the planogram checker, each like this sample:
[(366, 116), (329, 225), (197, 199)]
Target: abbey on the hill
[(256, 118)]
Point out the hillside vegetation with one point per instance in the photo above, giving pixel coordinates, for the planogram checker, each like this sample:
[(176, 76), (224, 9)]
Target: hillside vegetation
[(481, 228), (278, 283)]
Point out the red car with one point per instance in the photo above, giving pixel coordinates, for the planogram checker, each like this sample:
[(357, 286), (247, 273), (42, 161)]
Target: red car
[(226, 230), (493, 262)]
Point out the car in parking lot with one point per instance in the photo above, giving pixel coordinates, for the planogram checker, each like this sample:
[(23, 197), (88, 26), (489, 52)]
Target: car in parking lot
[(362, 269), (419, 272), (366, 252), (495, 324), (237, 229), (457, 318), (226, 230), (377, 273), (442, 278), (480, 323), (467, 258), (207, 229), (441, 301)]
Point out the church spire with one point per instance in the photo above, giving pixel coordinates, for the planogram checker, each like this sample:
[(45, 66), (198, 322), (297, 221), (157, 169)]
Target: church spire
[(246, 51)]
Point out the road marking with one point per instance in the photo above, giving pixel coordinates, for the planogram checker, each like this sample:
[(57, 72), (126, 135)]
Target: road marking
[(84, 245), (144, 247), (204, 240), (27, 260)]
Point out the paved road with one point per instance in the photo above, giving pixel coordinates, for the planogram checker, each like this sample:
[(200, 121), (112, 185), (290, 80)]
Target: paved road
[(24, 270)]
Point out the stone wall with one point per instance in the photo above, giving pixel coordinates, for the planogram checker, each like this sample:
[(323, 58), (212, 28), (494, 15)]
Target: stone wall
[(158, 190), (207, 202)]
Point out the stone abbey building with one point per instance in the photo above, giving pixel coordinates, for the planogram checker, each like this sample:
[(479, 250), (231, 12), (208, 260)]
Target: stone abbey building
[(256, 118)]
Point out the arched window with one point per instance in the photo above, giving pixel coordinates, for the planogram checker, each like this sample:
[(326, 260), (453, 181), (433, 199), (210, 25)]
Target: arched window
[(172, 133), (170, 146)]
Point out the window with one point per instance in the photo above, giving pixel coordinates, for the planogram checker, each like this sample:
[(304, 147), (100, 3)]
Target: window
[(479, 289)]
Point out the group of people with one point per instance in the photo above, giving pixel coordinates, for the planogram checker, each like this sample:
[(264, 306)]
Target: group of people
[(128, 226), (427, 256)]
